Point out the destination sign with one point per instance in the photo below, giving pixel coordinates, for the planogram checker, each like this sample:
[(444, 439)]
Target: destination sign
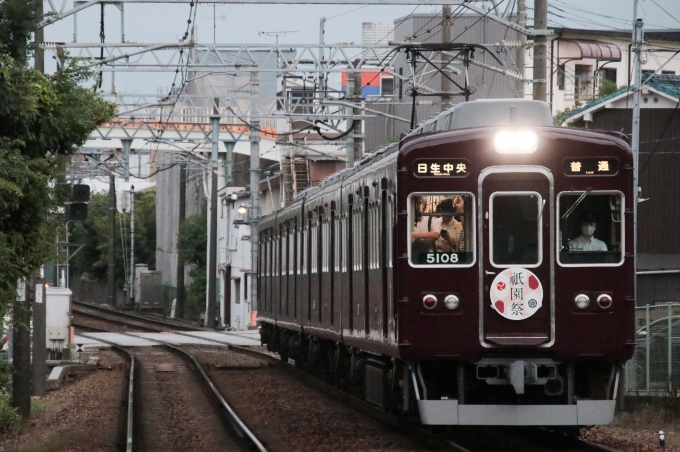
[(441, 167), (590, 166)]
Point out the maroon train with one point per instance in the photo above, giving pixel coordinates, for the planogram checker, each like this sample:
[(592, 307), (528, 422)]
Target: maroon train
[(521, 314)]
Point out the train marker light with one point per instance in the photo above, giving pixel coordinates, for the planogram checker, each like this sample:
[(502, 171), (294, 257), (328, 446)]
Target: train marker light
[(604, 301), (582, 301), (429, 301), (451, 301), (520, 142)]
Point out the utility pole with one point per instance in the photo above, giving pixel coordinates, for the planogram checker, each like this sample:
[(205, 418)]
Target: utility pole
[(39, 39), (540, 49), (349, 149), (357, 123), (519, 53), (254, 211), (39, 367), (112, 241), (636, 48), (21, 351), (212, 250), (179, 304), (229, 173), (446, 86), (126, 143), (132, 244)]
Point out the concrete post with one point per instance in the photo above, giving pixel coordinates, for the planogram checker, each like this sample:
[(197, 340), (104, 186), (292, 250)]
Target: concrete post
[(254, 211), (446, 85), (21, 352), (111, 275), (126, 143), (39, 365), (519, 53), (212, 255), (179, 306), (540, 50)]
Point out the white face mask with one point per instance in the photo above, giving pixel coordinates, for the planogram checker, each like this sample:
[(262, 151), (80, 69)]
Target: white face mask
[(587, 229)]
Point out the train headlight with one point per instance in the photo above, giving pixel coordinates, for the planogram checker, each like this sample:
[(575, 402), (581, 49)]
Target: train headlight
[(451, 301), (519, 142), (582, 301), (429, 301), (604, 301)]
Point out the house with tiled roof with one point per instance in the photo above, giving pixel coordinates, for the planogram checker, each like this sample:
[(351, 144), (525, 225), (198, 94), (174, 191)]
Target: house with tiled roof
[(658, 262)]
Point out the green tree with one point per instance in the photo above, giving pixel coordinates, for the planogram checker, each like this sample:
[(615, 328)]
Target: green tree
[(91, 262), (193, 245), (43, 119)]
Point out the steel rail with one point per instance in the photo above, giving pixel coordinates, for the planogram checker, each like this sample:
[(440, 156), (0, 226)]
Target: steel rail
[(131, 388), (239, 426), (137, 317), (114, 321)]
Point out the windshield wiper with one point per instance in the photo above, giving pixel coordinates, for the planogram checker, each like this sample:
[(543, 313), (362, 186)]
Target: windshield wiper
[(578, 201)]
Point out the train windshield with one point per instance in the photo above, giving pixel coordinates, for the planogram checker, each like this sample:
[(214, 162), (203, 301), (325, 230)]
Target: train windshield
[(442, 229), (516, 218), (591, 228)]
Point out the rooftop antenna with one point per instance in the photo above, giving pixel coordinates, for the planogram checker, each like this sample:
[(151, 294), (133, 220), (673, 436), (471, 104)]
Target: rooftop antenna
[(214, 18), (276, 33)]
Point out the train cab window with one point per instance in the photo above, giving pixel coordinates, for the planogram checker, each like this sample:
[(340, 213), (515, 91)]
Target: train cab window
[(590, 228), (515, 219), (442, 229)]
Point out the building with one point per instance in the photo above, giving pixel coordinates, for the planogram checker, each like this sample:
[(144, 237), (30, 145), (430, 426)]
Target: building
[(374, 33)]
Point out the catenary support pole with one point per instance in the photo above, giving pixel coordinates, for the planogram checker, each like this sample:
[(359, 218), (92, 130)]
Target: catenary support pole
[(357, 125), (540, 49), (519, 53), (254, 211), (229, 173), (212, 267), (126, 143), (179, 304), (39, 39), (39, 364), (111, 276), (446, 85), (132, 245), (21, 353), (349, 149), (636, 48)]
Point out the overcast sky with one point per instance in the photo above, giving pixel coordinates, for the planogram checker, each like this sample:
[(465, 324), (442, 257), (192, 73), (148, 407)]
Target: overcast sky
[(156, 23)]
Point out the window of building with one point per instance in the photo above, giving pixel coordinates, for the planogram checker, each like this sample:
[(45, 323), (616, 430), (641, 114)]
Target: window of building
[(386, 86), (608, 74), (237, 290), (560, 76)]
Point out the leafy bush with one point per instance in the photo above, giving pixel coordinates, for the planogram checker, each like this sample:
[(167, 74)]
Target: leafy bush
[(10, 420)]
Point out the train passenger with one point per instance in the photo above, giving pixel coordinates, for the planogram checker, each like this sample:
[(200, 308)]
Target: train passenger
[(460, 206), (426, 226), (449, 227), (419, 247), (586, 241)]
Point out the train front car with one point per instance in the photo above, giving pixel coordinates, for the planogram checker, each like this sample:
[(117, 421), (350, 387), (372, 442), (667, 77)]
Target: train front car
[(521, 311)]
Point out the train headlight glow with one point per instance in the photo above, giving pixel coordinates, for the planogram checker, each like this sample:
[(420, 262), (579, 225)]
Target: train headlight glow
[(582, 301), (451, 301), (429, 301), (519, 142)]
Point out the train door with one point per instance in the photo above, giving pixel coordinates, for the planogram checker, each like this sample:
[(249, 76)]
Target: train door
[(516, 249)]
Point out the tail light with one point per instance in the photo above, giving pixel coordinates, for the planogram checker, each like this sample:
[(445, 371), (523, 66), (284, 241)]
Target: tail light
[(604, 301), (582, 301), (429, 301)]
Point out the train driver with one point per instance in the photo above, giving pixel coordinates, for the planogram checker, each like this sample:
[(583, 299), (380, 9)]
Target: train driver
[(586, 241), (449, 227)]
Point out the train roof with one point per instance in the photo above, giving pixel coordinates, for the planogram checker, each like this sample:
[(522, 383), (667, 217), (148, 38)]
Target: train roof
[(489, 113)]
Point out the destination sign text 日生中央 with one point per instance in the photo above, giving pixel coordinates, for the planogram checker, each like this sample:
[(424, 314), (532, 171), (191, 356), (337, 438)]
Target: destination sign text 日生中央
[(441, 168), (590, 166)]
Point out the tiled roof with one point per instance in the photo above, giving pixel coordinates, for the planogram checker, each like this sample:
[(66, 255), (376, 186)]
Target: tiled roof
[(667, 84)]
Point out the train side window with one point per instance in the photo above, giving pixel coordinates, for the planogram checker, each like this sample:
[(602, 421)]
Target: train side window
[(591, 228), (442, 229), (515, 219)]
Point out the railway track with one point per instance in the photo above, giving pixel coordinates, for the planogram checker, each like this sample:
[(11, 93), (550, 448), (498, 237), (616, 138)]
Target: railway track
[(171, 402), (463, 439), (459, 438), (120, 317)]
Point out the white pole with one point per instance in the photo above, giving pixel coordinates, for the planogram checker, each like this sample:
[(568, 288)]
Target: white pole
[(132, 244), (638, 35)]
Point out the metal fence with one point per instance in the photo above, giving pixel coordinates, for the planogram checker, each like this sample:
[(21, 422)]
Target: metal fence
[(655, 366)]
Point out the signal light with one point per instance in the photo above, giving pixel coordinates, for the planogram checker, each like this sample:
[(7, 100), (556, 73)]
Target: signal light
[(604, 301), (582, 301), (77, 211), (80, 193), (429, 301)]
